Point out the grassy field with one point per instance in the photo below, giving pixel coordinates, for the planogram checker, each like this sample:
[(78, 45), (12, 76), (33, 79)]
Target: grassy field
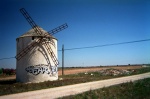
[(11, 86), (132, 90)]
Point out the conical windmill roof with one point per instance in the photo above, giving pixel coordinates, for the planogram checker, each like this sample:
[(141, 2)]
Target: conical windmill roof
[(31, 32)]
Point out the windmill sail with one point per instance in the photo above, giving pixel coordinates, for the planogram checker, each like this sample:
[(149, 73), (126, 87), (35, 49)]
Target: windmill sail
[(35, 43), (60, 28), (27, 49), (32, 45), (51, 53), (37, 53), (33, 24)]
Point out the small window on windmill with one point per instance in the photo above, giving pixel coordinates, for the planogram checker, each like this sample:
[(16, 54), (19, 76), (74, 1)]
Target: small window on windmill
[(32, 37)]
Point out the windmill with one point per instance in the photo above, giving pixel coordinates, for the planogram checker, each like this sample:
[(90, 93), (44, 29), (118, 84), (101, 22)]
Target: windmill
[(36, 59)]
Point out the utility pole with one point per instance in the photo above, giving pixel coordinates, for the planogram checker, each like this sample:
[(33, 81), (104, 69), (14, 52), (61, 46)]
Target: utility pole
[(62, 59)]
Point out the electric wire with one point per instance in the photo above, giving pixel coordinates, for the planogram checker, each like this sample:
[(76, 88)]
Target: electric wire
[(104, 45), (7, 58), (111, 44)]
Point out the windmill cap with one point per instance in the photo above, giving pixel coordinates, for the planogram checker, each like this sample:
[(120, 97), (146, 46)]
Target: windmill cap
[(32, 32)]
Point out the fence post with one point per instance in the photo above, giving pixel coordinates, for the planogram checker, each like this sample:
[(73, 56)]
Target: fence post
[(62, 59)]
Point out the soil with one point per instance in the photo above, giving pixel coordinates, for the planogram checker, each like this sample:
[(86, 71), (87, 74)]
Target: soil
[(76, 70), (92, 69)]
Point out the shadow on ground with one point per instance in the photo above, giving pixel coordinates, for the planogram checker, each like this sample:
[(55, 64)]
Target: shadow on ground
[(5, 82)]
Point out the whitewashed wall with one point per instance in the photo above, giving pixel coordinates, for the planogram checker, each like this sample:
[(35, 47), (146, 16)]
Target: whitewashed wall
[(33, 67)]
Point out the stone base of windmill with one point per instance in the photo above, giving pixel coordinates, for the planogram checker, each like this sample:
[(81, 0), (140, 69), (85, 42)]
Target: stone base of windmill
[(35, 74)]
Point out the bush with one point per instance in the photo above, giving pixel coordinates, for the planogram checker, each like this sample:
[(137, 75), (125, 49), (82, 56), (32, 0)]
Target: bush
[(8, 71), (1, 71)]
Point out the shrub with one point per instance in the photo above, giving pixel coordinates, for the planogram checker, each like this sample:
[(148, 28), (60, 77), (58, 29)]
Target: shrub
[(8, 71), (1, 71)]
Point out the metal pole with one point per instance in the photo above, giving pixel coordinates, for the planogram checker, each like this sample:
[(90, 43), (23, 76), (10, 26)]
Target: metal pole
[(62, 59)]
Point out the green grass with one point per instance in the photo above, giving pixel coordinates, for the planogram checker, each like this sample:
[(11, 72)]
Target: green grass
[(132, 90), (11, 86)]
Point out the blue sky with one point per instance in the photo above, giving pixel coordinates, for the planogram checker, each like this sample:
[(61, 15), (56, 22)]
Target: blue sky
[(91, 22)]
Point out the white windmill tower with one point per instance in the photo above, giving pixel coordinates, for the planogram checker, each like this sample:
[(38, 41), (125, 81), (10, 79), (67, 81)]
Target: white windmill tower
[(37, 53)]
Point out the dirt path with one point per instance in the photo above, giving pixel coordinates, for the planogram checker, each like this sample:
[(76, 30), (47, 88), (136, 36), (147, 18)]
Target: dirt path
[(57, 92), (8, 78)]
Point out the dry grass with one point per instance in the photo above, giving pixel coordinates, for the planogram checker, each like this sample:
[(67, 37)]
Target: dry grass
[(75, 70), (11, 86), (132, 90)]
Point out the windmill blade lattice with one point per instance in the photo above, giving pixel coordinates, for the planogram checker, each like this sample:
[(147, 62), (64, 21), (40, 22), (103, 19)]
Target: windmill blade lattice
[(27, 49), (36, 28), (33, 24), (60, 28), (30, 20), (40, 40), (51, 53)]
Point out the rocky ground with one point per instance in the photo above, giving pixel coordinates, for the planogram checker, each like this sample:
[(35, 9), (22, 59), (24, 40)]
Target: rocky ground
[(115, 72)]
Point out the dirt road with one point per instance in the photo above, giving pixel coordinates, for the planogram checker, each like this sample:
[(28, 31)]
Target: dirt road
[(57, 92)]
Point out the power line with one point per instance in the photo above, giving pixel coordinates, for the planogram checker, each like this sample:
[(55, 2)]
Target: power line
[(111, 44), (7, 58)]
